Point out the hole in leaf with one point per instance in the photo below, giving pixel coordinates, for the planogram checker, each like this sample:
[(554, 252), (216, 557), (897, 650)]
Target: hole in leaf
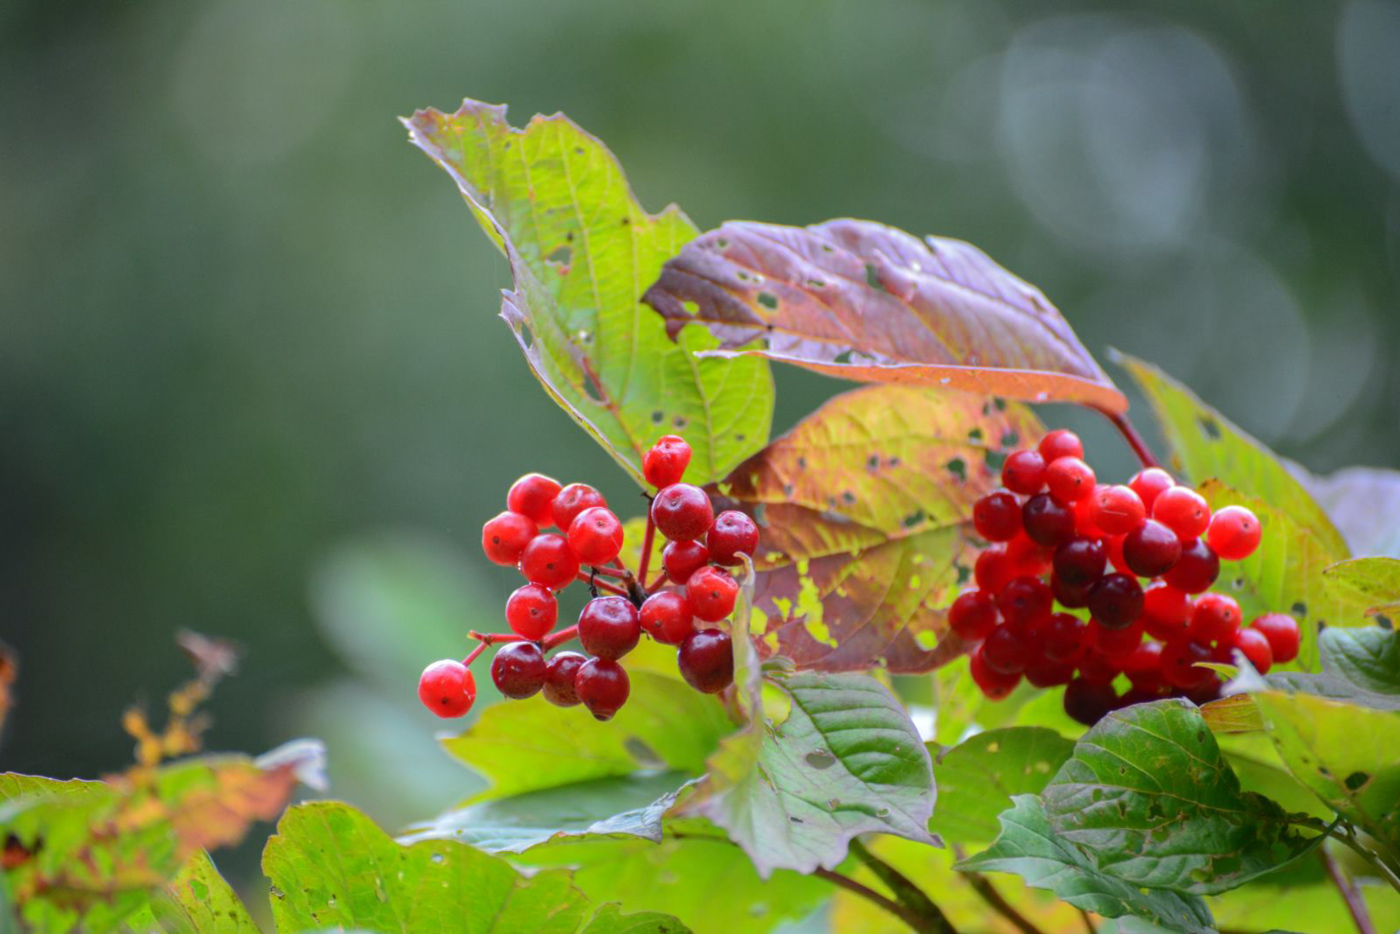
[(893, 461), (721, 243), (958, 468), (1209, 428), (1300, 609), (816, 283), (562, 256), (768, 299), (913, 519), (1355, 780), (527, 336), (658, 417), (843, 357), (975, 434), (1000, 404), (872, 277), (964, 574), (848, 497), (993, 460), (1383, 621), (1009, 439), (872, 463), (801, 463), (680, 421)]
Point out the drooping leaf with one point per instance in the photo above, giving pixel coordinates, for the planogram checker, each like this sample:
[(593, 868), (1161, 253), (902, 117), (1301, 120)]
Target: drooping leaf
[(581, 250), (865, 508), (1359, 666), (864, 301), (1370, 582), (1363, 502), (1149, 798), (196, 901), (1031, 848), (978, 778), (847, 760)]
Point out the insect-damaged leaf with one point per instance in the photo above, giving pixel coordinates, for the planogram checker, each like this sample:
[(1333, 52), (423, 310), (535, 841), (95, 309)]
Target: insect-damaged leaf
[(581, 250), (863, 301)]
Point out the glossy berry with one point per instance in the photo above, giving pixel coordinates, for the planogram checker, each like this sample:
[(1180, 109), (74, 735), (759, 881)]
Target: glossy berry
[(1080, 561), (1027, 557), (682, 512), (1060, 443), (995, 685), (595, 535), (1283, 634), (574, 499), (1116, 601), (732, 535), (711, 592), (602, 686), (997, 516), (1234, 533), (1064, 638), (1047, 522), (1044, 673), (1025, 603), (447, 688), (549, 562), (1166, 612), (1115, 644), (532, 496), (1087, 702), (666, 617), (682, 559), (518, 670), (1196, 569), (1097, 668), (1117, 510), (1070, 596), (1178, 664), (1149, 484), (1006, 651), (504, 537), (1255, 647), (559, 679), (1023, 472), (1215, 618), (706, 660), (1151, 549), (973, 615), (1143, 665), (609, 627), (532, 611), (1114, 545), (1182, 510), (1069, 479), (993, 569), (666, 462)]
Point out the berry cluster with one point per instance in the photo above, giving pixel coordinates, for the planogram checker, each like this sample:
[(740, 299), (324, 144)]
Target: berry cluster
[(693, 588), (1061, 542)]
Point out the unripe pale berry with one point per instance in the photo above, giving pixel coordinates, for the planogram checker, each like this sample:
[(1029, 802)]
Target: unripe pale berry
[(532, 496), (447, 688)]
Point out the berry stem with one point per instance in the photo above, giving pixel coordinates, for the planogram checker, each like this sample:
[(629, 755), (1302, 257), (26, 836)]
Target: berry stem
[(474, 654), (1354, 902), (917, 922), (556, 639), (647, 540), (590, 580), (493, 638), (661, 578), (1130, 434), (620, 573)]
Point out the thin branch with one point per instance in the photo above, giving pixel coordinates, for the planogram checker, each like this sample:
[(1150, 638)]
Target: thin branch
[(1088, 922), (1125, 427), (1349, 840), (989, 894), (593, 582), (924, 925), (909, 894), (556, 639), (1355, 903), (606, 571)]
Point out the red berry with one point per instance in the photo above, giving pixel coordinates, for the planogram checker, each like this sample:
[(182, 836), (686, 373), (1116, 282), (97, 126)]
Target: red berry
[(1182, 510), (682, 559), (666, 462), (1044, 673), (1215, 618), (609, 627), (997, 516), (1115, 644), (1084, 518), (1117, 510), (706, 661), (1143, 666), (1028, 558), (1064, 638), (595, 535), (549, 562), (973, 615), (1178, 664), (1080, 561), (1069, 479), (1256, 647), (533, 497), (1151, 549), (1070, 596), (1025, 603), (732, 535), (1114, 545), (666, 617), (603, 687), (505, 537), (1060, 443), (994, 569), (518, 670), (1137, 695), (1205, 692), (1166, 612), (682, 512), (1196, 569), (1234, 533), (447, 688), (1149, 484), (711, 592), (532, 611), (572, 500), (1006, 651), (559, 679), (995, 685), (1024, 472), (1097, 668), (1047, 522), (1283, 634), (1087, 702), (1116, 601)]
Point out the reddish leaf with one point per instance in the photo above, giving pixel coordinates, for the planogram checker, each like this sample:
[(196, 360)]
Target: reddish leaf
[(863, 301)]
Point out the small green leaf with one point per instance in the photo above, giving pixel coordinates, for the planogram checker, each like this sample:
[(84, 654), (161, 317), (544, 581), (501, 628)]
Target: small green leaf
[(1030, 848), (978, 778)]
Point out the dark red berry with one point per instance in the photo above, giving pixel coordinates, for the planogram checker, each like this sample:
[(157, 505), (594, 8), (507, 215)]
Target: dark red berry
[(1025, 603), (1024, 472), (1080, 561), (1044, 673), (1255, 646), (559, 679), (666, 462), (682, 512), (997, 516), (1007, 651), (973, 615), (1069, 479), (1179, 660), (609, 627), (995, 685), (1070, 596), (1234, 533), (1151, 549), (1149, 484), (1205, 692), (1117, 510), (1087, 702), (682, 559), (447, 688), (732, 535), (549, 562), (706, 660), (1047, 522), (1143, 666), (595, 536), (1166, 612), (1115, 644), (1215, 618), (1064, 638), (1182, 510), (1285, 638), (533, 497), (518, 670), (993, 569), (1097, 668), (1137, 695), (666, 617), (1116, 601), (532, 611), (1060, 443), (603, 687), (1196, 569), (504, 537), (711, 592), (572, 500)]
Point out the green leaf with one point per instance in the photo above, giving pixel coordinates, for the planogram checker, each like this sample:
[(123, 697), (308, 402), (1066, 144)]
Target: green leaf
[(846, 761), (1363, 502), (1150, 799), (1206, 445), (1030, 848), (1370, 582), (978, 778), (1368, 658), (196, 901), (609, 919), (581, 250)]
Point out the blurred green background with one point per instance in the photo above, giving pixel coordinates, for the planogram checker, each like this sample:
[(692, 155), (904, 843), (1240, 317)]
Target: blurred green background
[(251, 377)]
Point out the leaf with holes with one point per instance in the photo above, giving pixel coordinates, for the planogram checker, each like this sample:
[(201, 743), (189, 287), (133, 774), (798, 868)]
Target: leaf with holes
[(866, 511), (1363, 502), (1149, 798), (1373, 583), (864, 301), (846, 761), (196, 901), (581, 250), (978, 778)]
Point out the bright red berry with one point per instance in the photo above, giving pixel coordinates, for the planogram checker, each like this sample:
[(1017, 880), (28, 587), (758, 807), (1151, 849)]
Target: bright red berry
[(682, 559), (1047, 522), (603, 687), (682, 512), (732, 535), (1234, 533), (1087, 702), (1025, 603), (997, 516), (1117, 510), (532, 611), (532, 496), (710, 593), (1149, 484), (1215, 618), (1080, 561), (993, 569), (1115, 644), (1283, 634), (1151, 549), (1256, 647), (504, 538), (595, 535), (447, 688), (1069, 479), (706, 660), (549, 562), (1006, 651), (1166, 612), (1116, 601), (1064, 638), (1070, 596), (518, 670), (1179, 660), (1196, 569), (995, 685), (666, 617), (1143, 666), (973, 615), (574, 499), (1084, 516), (1114, 545), (1044, 673), (1182, 510), (666, 462), (1024, 472), (1028, 558), (1060, 443), (560, 677), (609, 627)]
